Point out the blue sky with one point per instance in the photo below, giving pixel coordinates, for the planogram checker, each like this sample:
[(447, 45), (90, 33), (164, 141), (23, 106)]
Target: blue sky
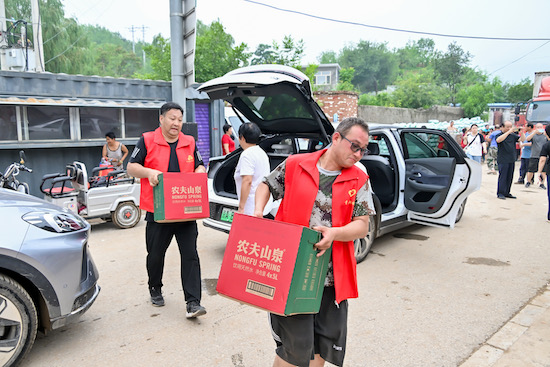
[(253, 24)]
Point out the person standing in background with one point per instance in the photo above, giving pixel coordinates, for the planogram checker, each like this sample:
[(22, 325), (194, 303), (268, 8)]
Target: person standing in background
[(228, 145), (525, 154), (538, 138), (474, 143), (492, 151), (544, 162), (114, 152), (252, 167), (506, 159)]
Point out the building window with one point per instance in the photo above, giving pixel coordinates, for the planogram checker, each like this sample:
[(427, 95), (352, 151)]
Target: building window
[(8, 123), (322, 78), (48, 123), (139, 121), (96, 122)]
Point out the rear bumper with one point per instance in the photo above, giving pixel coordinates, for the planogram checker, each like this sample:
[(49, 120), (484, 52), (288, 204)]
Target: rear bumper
[(217, 225)]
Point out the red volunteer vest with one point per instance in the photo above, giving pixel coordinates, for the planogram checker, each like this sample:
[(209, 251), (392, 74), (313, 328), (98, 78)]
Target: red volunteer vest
[(158, 157), (301, 187)]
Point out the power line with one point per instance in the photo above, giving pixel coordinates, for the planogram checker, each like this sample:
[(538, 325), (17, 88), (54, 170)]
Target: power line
[(68, 48), (516, 60), (396, 29)]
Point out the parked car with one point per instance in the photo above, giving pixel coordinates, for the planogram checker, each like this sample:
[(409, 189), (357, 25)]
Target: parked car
[(47, 275), (417, 175)]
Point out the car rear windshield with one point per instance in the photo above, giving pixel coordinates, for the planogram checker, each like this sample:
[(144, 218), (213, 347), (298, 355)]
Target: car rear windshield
[(280, 106)]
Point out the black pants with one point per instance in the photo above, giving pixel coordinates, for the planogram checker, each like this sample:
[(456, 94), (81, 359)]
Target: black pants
[(158, 237), (523, 168), (505, 178)]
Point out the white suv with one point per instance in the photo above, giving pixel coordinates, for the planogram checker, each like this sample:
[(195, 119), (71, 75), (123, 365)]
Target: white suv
[(417, 175)]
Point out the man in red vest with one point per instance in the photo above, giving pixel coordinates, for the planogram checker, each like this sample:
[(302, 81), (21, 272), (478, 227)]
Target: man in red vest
[(167, 149), (326, 191)]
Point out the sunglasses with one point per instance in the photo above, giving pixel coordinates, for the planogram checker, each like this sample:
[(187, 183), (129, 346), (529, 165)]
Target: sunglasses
[(356, 148)]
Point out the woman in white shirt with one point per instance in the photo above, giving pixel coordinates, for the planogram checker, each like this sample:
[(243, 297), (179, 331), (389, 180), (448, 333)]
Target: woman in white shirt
[(252, 167), (474, 143)]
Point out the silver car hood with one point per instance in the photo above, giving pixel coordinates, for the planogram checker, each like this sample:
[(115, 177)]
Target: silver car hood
[(10, 198)]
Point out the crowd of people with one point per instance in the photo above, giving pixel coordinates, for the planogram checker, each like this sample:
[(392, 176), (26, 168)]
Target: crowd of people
[(500, 147)]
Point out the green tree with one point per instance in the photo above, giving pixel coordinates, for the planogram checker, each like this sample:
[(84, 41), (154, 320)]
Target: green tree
[(310, 71), (450, 68), (215, 52), (380, 99), (474, 99), (375, 66), (113, 60), (65, 46), (159, 55), (345, 81), (289, 52), (521, 92), (416, 54), (264, 54), (416, 90), (328, 57)]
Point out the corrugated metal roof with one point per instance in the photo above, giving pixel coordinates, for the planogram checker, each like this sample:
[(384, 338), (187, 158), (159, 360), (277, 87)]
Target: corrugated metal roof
[(78, 102)]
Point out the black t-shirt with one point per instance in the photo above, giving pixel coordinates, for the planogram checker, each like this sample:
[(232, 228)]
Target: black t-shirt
[(545, 152), (507, 149), (140, 152)]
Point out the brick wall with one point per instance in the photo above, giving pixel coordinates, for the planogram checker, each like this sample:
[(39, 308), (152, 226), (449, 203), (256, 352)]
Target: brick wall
[(343, 103)]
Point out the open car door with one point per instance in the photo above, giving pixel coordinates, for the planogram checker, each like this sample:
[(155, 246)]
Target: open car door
[(438, 177)]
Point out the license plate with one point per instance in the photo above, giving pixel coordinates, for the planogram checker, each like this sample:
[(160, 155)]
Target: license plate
[(227, 215)]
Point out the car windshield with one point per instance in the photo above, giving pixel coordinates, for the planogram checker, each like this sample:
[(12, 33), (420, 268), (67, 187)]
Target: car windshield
[(538, 111)]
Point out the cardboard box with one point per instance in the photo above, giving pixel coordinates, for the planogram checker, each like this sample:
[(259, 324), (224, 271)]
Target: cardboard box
[(273, 265), (181, 197)]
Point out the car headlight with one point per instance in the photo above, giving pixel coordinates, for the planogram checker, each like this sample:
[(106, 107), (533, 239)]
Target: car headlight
[(55, 221)]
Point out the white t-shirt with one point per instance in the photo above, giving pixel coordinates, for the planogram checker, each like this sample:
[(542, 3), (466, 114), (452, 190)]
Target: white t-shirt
[(475, 147), (252, 162)]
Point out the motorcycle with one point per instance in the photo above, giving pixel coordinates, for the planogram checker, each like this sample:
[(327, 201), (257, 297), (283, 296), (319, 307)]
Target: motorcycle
[(8, 179)]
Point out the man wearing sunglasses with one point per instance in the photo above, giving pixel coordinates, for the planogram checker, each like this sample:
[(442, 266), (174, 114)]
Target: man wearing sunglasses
[(326, 191)]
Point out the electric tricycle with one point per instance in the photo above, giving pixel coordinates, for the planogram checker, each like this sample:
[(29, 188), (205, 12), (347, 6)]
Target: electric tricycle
[(108, 194)]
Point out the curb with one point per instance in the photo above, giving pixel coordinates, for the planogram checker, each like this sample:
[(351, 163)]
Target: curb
[(492, 350)]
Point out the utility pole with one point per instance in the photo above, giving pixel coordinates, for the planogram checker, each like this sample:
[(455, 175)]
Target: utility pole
[(183, 19), (133, 30), (3, 36), (37, 36)]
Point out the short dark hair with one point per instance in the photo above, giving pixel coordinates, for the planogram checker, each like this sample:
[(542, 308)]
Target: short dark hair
[(170, 106), (349, 122), (226, 128), (111, 135), (530, 125), (250, 132), (547, 129)]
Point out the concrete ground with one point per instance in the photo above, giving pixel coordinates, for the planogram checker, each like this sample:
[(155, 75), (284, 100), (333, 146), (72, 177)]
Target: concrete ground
[(428, 297)]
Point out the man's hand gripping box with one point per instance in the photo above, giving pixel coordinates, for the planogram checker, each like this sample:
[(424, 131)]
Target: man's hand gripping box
[(273, 265), (181, 197)]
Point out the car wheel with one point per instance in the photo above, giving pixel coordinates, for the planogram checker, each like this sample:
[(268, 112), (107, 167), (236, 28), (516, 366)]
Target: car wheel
[(460, 211), (126, 215), (363, 245), (18, 321)]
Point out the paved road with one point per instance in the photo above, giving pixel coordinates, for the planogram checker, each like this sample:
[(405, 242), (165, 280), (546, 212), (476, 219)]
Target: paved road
[(428, 296)]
